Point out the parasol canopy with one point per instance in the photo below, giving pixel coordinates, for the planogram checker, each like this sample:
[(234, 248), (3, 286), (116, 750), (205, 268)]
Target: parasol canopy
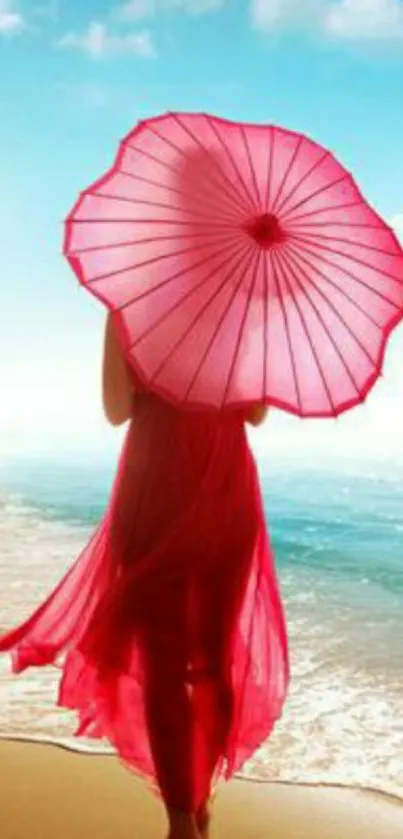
[(242, 264)]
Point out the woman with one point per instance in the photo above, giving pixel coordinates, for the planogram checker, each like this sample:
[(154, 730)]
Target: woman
[(170, 621)]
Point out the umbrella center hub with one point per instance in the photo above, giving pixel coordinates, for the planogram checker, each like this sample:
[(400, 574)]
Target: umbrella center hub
[(265, 230)]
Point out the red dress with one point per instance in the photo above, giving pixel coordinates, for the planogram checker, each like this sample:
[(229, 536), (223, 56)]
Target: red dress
[(170, 622)]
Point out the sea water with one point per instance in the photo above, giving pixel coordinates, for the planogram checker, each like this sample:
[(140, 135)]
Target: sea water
[(338, 542)]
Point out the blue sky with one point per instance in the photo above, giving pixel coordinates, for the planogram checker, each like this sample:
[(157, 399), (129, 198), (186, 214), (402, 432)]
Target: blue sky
[(76, 76)]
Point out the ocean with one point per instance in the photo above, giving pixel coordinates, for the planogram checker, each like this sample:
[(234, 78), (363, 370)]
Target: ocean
[(338, 541)]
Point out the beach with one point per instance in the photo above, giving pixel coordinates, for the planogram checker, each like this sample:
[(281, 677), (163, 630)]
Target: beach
[(48, 791), (337, 541)]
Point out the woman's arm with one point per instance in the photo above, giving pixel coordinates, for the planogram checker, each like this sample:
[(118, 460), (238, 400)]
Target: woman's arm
[(257, 414), (117, 391)]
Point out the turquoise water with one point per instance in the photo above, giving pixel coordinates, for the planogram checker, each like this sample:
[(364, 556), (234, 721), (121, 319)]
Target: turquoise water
[(341, 525), (338, 541)]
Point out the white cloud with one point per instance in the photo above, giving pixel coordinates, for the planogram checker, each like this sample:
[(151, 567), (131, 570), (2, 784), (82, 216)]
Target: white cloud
[(98, 42), (11, 21), (136, 10), (271, 15), (365, 20), (353, 20), (139, 9)]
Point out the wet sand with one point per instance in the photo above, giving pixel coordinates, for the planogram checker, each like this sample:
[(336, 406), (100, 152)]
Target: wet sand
[(47, 792)]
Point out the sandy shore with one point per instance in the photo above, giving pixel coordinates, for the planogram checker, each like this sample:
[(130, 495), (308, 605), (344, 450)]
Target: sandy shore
[(48, 792)]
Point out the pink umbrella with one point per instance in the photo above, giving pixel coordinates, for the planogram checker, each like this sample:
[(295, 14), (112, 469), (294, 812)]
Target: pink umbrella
[(242, 264)]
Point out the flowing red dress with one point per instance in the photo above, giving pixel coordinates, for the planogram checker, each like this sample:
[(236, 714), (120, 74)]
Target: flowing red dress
[(170, 623)]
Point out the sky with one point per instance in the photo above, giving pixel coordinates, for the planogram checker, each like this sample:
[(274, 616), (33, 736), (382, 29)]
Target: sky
[(75, 77)]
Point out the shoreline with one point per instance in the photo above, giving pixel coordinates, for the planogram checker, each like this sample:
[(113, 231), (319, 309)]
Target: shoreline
[(84, 750), (50, 791)]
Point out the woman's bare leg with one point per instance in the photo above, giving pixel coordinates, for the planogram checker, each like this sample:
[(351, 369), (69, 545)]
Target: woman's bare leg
[(217, 694), (203, 817), (182, 825), (213, 692), (170, 723)]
